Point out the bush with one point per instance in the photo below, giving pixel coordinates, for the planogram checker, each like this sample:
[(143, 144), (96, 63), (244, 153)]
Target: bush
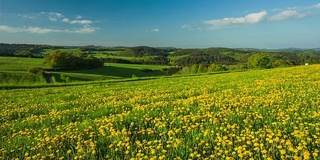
[(134, 76), (259, 61), (68, 80), (171, 70), (36, 70), (281, 63), (216, 67), (146, 70)]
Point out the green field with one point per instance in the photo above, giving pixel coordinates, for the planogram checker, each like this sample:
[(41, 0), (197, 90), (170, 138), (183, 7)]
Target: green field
[(20, 63), (14, 71), (258, 114), (47, 51), (113, 71)]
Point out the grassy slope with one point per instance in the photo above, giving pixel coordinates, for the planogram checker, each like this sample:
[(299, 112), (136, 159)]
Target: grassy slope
[(256, 114), (14, 69), (113, 71), (20, 63), (47, 51)]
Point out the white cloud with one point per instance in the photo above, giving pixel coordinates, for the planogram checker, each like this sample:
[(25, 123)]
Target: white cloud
[(54, 16), (84, 30), (65, 20), (29, 16), (39, 30), (83, 22), (85, 25), (27, 29), (9, 29), (186, 26), (287, 14), (251, 18), (155, 30), (78, 17), (296, 12)]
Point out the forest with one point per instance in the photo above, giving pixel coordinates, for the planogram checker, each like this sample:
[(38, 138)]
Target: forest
[(208, 59)]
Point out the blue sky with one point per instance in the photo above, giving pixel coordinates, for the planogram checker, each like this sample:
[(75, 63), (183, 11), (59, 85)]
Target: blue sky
[(162, 23)]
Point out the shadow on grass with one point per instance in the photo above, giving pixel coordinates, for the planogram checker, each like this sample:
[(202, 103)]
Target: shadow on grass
[(116, 72)]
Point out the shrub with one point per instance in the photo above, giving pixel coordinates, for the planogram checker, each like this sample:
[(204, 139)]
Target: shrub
[(171, 70), (134, 76), (281, 63), (216, 67), (36, 70), (146, 70)]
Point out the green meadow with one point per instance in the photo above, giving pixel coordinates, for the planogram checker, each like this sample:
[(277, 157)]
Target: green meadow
[(14, 71), (258, 114)]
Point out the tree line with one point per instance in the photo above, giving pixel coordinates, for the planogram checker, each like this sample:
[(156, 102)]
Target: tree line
[(205, 59), (24, 50)]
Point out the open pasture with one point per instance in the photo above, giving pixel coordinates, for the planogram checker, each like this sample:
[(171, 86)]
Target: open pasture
[(20, 63), (14, 71), (257, 114)]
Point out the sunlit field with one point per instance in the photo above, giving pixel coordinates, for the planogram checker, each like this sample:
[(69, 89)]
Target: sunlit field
[(257, 114)]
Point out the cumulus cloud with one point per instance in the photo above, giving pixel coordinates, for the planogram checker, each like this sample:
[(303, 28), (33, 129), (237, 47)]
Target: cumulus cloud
[(251, 18), (9, 29), (186, 26), (39, 30), (78, 17), (287, 14), (83, 22), (29, 16), (65, 20), (154, 30), (83, 25), (84, 30), (296, 12), (30, 29), (54, 16)]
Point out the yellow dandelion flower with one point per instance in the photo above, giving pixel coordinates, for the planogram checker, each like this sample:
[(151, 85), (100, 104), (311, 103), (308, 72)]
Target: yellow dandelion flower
[(162, 157), (51, 156), (306, 154)]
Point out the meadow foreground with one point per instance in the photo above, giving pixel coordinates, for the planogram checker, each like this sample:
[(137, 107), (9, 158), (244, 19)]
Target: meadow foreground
[(256, 114)]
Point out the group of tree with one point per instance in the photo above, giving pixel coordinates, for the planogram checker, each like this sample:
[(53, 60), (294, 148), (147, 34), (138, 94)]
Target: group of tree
[(147, 55), (247, 58), (100, 48), (65, 60), (24, 50), (205, 57), (185, 58), (142, 51)]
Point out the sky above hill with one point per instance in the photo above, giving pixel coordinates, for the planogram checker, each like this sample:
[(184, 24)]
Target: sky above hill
[(175, 23)]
